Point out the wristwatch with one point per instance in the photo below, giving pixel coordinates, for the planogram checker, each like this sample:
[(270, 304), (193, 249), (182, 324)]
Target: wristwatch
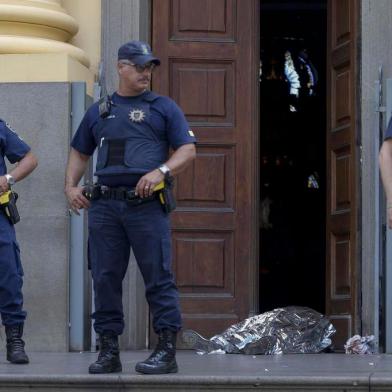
[(164, 169), (10, 179)]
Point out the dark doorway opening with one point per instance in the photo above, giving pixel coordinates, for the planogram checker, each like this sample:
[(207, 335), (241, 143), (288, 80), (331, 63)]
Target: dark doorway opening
[(293, 153)]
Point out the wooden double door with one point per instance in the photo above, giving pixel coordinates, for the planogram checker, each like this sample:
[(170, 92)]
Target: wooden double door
[(210, 56)]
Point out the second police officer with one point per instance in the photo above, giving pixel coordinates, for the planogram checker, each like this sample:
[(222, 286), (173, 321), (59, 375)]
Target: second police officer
[(13, 316), (133, 130)]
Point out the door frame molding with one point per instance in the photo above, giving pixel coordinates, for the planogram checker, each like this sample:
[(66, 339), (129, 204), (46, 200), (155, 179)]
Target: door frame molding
[(343, 227), (254, 268)]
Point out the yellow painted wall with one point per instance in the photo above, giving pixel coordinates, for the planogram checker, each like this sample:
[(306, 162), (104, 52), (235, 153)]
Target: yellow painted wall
[(88, 15), (29, 53), (51, 67)]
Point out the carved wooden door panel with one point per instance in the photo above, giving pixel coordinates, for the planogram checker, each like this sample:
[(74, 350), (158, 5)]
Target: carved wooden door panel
[(342, 163), (207, 49)]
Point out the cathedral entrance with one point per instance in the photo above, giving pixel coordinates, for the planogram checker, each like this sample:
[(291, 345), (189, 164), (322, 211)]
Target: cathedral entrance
[(292, 154)]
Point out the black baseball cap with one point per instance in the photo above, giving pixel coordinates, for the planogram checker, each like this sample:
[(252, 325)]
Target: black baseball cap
[(138, 52)]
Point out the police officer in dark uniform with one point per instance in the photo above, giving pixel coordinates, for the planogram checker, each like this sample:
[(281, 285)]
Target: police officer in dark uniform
[(132, 130), (11, 273), (385, 159)]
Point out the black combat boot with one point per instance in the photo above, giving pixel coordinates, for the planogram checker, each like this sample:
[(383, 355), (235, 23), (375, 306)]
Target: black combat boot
[(163, 359), (109, 355), (15, 344)]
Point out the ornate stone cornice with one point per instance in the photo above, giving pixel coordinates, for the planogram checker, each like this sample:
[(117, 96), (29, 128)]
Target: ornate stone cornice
[(37, 26)]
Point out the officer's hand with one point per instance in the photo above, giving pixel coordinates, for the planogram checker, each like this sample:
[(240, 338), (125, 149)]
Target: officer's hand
[(76, 199), (4, 187), (145, 186), (390, 218)]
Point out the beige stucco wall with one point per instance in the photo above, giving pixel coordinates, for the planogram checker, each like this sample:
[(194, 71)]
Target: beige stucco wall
[(59, 40), (88, 15)]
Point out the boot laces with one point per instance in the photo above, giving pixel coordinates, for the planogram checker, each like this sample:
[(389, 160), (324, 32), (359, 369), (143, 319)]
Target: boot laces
[(164, 348), (103, 356), (161, 343), (16, 344), (14, 340), (108, 349)]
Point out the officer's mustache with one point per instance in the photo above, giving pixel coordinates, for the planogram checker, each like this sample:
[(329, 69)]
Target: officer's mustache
[(145, 79)]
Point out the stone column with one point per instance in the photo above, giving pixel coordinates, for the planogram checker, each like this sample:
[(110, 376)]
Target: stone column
[(40, 113)]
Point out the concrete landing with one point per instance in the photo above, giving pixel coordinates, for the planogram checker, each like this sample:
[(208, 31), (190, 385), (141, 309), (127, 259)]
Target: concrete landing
[(58, 372)]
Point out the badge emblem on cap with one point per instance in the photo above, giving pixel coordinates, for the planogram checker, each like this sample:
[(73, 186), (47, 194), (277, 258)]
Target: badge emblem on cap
[(145, 49), (137, 115)]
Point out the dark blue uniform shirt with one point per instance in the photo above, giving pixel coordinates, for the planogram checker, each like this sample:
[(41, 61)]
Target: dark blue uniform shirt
[(11, 146), (145, 142), (388, 132)]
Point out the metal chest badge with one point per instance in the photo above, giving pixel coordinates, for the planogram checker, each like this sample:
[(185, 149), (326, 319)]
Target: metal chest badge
[(137, 115)]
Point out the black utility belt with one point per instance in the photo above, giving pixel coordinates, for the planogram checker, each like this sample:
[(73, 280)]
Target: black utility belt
[(162, 192), (97, 191)]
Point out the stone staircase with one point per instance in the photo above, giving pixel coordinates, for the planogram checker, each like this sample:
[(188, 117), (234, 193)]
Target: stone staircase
[(57, 372)]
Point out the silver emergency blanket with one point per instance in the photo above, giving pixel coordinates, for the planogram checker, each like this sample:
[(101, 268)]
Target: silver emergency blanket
[(360, 345), (286, 330)]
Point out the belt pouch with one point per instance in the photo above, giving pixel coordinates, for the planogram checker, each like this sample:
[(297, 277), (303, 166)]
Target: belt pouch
[(167, 199), (10, 209)]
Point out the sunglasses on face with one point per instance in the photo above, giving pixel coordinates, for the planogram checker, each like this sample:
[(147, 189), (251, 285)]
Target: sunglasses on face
[(141, 68)]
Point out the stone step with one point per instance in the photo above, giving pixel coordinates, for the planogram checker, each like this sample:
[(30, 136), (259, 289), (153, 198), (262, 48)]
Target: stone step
[(112, 383), (57, 372)]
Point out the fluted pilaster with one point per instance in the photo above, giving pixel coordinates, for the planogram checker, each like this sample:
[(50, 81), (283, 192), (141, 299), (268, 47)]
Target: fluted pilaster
[(37, 26)]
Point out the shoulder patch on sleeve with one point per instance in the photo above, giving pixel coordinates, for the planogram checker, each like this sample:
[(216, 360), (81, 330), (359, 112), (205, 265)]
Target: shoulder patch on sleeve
[(9, 127), (191, 132), (12, 130)]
